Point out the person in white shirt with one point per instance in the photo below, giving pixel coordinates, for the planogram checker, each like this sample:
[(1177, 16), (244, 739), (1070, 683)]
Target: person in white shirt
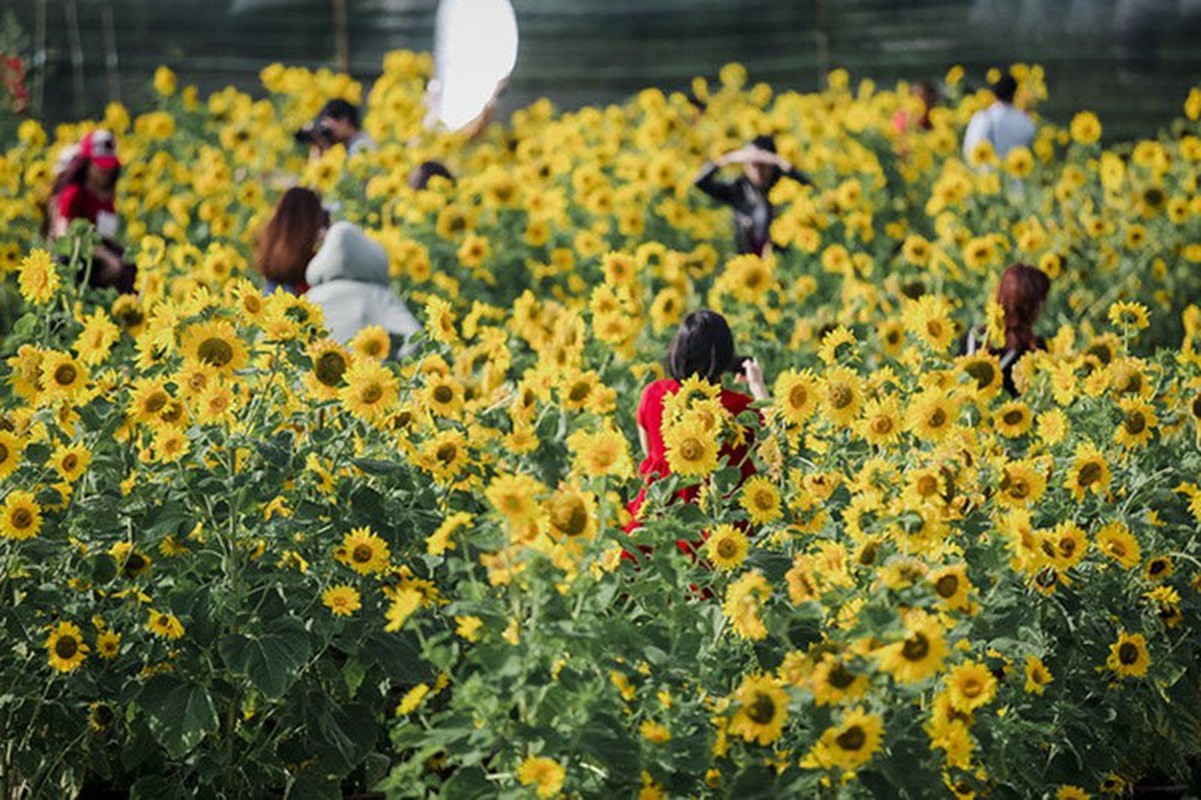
[(1001, 124), (340, 119)]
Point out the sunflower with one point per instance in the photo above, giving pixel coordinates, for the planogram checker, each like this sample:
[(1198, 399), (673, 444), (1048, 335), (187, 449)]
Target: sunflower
[(341, 600), (840, 337), (330, 362), (842, 395), (891, 336), (1013, 419), (1137, 425), (216, 344), (983, 371), (101, 717), (1022, 485), (1128, 656), (1159, 567), (65, 647), (21, 516), (919, 654), (544, 774), (108, 644), (1037, 675), (444, 396), (170, 445), (440, 320), (1129, 316), (164, 624), (216, 405), (691, 451), (726, 547), (577, 389), (11, 448), (38, 278), (744, 598), (63, 378), (371, 342), (833, 682), (71, 461), (445, 455), (1090, 472), (147, 401), (762, 709), (371, 391), (1116, 542), (970, 685), (97, 338), (881, 421), (929, 319), (796, 395), (363, 551), (130, 562), (932, 414), (761, 500), (514, 497), (951, 584), (848, 745), (572, 512)]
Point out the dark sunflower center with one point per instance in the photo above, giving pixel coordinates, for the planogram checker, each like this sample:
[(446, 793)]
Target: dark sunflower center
[(156, 401), (982, 372), (762, 709), (446, 453), (841, 396), (362, 553), (4, 451), (947, 586), (938, 418), (215, 351), (727, 548), (882, 425), (66, 647), (1013, 417), (569, 515), (444, 394), (691, 449), (1128, 653), (971, 686), (103, 716), (330, 368), (371, 393), (1135, 422), (927, 485), (65, 374), (852, 739), (916, 647), (1090, 473), (1016, 487), (22, 518), (70, 462), (841, 677)]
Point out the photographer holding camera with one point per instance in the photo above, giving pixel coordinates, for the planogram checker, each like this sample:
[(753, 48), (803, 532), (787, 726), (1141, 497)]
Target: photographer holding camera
[(337, 123)]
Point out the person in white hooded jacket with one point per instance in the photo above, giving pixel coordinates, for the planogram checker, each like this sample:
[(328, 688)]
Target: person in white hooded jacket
[(348, 278)]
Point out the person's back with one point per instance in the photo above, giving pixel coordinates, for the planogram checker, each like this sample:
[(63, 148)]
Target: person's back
[(348, 278), (1002, 124)]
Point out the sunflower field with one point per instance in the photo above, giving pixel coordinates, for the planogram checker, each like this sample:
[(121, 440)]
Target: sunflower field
[(238, 559)]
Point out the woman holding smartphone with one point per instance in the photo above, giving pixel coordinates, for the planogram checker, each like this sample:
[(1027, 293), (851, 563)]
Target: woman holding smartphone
[(703, 347)]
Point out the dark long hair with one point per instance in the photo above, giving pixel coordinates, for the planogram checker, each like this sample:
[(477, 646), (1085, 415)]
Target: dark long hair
[(286, 243), (703, 346), (1021, 293)]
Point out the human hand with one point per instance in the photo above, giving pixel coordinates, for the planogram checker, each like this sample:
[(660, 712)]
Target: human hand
[(754, 378)]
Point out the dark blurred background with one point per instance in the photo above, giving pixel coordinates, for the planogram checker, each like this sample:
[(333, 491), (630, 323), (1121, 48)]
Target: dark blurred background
[(1132, 61)]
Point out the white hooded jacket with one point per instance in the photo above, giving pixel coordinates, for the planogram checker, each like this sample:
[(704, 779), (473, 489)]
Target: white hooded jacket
[(348, 278)]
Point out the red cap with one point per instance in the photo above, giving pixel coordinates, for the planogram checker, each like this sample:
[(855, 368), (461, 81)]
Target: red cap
[(100, 147)]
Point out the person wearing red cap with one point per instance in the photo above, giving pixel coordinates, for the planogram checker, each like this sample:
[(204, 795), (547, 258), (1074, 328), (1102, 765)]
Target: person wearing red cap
[(86, 189)]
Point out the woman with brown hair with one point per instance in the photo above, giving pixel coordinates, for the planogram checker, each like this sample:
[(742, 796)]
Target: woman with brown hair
[(288, 241), (336, 266), (1022, 294)]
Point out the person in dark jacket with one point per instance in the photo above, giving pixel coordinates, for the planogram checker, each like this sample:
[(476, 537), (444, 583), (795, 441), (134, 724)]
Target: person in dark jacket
[(747, 195)]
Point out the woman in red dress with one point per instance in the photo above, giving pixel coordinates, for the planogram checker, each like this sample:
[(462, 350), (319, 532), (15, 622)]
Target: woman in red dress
[(703, 347)]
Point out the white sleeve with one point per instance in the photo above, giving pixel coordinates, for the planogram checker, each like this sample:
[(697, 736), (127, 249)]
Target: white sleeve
[(976, 130)]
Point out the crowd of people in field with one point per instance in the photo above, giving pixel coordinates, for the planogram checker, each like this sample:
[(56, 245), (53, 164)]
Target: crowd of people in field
[(335, 264)]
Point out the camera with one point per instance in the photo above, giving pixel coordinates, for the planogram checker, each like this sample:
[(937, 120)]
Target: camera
[(738, 364), (315, 133)]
